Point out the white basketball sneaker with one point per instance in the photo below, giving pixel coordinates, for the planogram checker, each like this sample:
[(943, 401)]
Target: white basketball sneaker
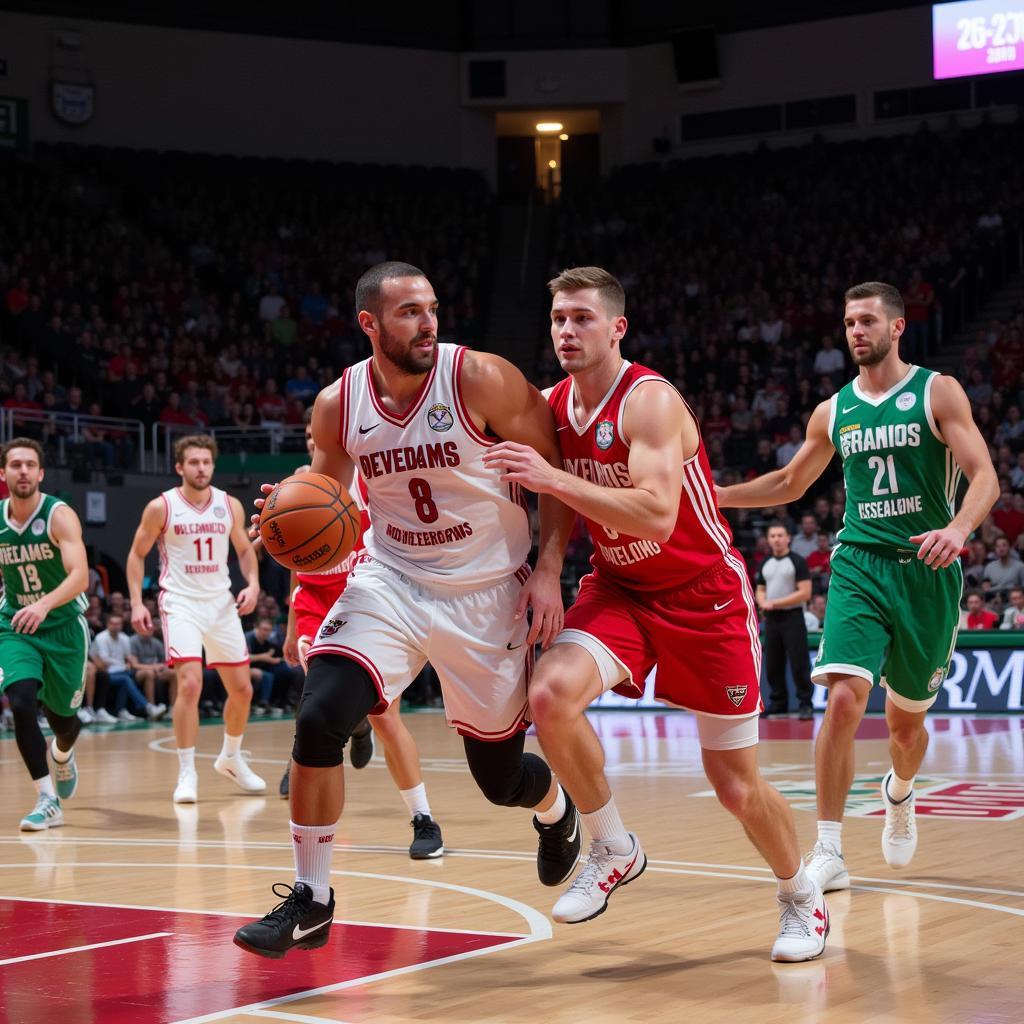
[(827, 868), (603, 873), (899, 837), (186, 791), (803, 927), (235, 768)]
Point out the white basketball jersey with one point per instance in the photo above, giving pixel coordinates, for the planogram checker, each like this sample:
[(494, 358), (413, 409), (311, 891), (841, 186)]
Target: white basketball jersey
[(194, 545), (437, 513)]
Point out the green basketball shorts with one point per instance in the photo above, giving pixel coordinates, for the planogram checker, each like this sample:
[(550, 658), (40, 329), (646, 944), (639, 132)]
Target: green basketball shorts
[(56, 656), (890, 619)]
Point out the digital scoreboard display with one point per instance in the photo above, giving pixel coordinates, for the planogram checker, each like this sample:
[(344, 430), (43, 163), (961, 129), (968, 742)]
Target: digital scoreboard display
[(977, 37)]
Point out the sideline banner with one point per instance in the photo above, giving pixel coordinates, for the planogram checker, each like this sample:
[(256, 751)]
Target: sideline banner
[(986, 674)]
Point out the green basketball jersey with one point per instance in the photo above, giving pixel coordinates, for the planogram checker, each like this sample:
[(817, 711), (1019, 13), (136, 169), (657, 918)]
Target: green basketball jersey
[(31, 564), (901, 478)]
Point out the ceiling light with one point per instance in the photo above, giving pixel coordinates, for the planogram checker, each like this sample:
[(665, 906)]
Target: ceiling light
[(552, 164), (564, 137), (549, 126)]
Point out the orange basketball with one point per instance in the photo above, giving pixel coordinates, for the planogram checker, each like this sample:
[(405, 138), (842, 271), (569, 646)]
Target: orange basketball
[(309, 523)]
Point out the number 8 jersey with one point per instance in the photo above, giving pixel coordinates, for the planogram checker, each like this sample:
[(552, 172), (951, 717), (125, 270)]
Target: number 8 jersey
[(438, 514), (194, 544)]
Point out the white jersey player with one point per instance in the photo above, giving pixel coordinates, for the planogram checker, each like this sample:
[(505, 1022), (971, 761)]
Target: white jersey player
[(193, 525), (443, 578)]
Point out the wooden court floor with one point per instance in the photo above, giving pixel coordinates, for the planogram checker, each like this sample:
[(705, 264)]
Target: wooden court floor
[(126, 913)]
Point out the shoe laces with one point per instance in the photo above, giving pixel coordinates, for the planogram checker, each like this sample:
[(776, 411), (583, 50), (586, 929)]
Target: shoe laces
[(64, 770), (595, 868), (292, 903), (794, 922), (823, 851), (424, 827), (43, 803), (899, 819)]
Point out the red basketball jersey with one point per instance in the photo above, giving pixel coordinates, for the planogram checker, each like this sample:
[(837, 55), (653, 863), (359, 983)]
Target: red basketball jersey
[(598, 450)]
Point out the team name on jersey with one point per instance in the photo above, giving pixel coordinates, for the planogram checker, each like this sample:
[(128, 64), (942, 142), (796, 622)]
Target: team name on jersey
[(630, 554), (410, 459), (426, 538), (186, 529), (615, 474), (853, 438), (16, 554)]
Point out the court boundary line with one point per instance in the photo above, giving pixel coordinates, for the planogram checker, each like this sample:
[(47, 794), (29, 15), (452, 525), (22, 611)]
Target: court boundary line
[(83, 949)]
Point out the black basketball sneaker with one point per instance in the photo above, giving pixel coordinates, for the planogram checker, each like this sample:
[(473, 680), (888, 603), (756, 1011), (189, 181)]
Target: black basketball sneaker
[(426, 838), (360, 748), (285, 783), (298, 922), (559, 846)]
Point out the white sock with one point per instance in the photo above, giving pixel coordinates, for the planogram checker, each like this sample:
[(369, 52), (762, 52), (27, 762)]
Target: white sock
[(897, 788), (800, 885), (605, 827), (44, 787), (187, 759), (831, 832), (60, 756), (232, 746), (416, 800), (556, 812), (312, 846)]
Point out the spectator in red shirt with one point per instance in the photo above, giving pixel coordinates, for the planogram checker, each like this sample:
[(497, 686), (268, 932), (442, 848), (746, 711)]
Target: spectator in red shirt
[(918, 298), (819, 563), (977, 615), (271, 404), (20, 400), (173, 413)]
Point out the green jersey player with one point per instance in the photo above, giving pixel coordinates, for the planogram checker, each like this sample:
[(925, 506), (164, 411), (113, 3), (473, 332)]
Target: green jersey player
[(44, 640), (904, 434)]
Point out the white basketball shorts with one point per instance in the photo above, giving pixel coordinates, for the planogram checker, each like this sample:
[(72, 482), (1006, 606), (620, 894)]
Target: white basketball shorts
[(190, 627), (392, 626)]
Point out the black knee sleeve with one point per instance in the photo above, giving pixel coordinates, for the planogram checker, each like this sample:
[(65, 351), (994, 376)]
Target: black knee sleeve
[(337, 696), (65, 727), (505, 774), (24, 700)]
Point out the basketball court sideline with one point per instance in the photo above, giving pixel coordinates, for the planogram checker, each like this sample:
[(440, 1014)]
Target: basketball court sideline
[(126, 913)]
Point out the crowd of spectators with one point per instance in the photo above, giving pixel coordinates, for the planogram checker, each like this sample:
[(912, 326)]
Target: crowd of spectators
[(208, 291), (734, 269)]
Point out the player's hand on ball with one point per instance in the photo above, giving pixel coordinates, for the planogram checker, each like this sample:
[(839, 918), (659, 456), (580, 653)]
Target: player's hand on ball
[(29, 619), (939, 549), (254, 519)]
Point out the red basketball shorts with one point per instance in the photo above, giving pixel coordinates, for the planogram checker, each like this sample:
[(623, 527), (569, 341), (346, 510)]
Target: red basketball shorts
[(703, 637), (311, 605)]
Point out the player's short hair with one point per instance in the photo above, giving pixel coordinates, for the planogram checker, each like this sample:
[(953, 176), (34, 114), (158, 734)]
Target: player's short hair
[(892, 301), (307, 416), (194, 441), (370, 285), (777, 524), (20, 442), (574, 279)]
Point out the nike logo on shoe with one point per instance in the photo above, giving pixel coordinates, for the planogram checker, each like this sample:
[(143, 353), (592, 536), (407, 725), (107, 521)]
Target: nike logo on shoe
[(301, 933), (366, 430), (512, 647), (724, 604), (851, 408)]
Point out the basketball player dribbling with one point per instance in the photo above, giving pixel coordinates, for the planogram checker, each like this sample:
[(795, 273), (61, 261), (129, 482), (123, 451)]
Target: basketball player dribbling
[(44, 638), (194, 524), (668, 589), (313, 596), (443, 578), (904, 434)]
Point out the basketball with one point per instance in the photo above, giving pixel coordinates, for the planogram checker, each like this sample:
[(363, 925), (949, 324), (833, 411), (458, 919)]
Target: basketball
[(309, 523)]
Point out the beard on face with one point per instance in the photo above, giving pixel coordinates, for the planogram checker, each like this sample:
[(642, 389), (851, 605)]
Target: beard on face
[(405, 358), (874, 355), (26, 489), (192, 481)]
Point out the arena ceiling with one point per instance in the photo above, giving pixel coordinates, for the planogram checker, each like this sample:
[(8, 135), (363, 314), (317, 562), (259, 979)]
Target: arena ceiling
[(466, 24)]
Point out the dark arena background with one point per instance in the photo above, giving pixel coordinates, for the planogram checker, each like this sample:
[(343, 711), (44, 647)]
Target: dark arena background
[(188, 197)]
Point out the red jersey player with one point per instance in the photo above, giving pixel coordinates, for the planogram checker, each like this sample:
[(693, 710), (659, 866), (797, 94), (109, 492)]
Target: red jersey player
[(668, 589), (313, 596)]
